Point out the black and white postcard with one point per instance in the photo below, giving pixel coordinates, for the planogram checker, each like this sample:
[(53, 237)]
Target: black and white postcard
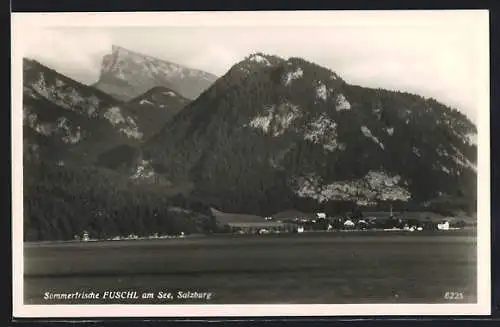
[(222, 164)]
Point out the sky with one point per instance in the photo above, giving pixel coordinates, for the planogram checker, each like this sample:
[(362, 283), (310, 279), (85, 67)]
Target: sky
[(431, 54)]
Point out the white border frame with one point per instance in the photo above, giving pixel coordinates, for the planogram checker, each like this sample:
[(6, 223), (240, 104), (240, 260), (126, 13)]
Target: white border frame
[(21, 24)]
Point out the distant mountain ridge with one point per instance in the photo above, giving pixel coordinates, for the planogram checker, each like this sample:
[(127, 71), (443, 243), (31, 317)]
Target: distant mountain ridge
[(126, 74), (70, 120)]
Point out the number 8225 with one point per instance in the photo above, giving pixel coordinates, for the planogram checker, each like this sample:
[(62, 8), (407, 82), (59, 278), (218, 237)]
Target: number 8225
[(454, 296)]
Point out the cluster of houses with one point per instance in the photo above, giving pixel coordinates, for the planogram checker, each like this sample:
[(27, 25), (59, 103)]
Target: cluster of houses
[(388, 221), (84, 237)]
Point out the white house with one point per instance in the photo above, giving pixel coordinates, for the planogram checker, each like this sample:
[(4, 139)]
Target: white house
[(132, 237), (349, 223), (321, 215), (263, 231), (409, 228), (444, 225)]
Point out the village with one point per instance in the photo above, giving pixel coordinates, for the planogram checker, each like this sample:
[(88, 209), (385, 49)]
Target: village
[(381, 221), (295, 222)]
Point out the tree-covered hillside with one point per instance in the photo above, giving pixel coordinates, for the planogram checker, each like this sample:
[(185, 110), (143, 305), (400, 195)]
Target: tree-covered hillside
[(274, 133), (61, 202)]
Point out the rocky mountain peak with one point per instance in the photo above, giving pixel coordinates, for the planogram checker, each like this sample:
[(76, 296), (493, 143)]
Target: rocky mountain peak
[(125, 74)]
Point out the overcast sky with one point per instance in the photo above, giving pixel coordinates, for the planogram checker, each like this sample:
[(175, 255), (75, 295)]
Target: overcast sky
[(428, 54)]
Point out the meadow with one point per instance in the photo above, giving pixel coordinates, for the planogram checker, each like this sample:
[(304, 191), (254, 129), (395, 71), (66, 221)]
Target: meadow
[(309, 268)]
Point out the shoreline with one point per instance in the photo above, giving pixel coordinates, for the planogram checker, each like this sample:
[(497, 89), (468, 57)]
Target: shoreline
[(471, 231)]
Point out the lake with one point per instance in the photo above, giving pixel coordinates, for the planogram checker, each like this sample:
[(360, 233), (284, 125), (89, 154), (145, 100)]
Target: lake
[(309, 268)]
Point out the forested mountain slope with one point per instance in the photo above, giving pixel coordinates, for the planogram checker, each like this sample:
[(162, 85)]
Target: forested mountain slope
[(68, 127), (272, 134), (63, 202)]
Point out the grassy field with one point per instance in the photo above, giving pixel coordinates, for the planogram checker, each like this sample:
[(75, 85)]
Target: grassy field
[(369, 267), (225, 218)]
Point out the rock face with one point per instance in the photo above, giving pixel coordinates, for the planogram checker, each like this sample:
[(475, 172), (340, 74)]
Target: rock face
[(273, 133), (126, 74), (69, 119), (66, 120)]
